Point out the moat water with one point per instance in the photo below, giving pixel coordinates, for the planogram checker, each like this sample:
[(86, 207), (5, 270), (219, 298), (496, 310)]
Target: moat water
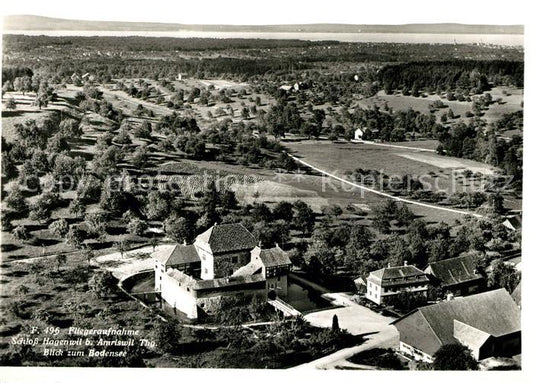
[(301, 298), (304, 299)]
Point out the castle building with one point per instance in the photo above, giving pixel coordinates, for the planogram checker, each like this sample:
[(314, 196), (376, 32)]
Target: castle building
[(225, 260)]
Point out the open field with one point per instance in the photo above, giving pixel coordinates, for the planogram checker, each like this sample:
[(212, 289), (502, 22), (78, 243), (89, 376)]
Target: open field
[(448, 162), (223, 84), (511, 102), (343, 158)]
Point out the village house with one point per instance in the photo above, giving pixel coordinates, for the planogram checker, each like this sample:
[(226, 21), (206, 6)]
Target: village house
[(487, 323), (358, 135), (514, 222), (458, 276), (225, 260), (383, 284), (75, 78)]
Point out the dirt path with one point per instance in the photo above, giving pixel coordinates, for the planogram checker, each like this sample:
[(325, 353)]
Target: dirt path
[(370, 190), (398, 146)]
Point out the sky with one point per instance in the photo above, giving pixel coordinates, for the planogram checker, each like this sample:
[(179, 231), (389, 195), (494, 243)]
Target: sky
[(254, 12)]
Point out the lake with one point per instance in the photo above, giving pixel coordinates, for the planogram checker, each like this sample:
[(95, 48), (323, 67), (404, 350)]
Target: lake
[(414, 38)]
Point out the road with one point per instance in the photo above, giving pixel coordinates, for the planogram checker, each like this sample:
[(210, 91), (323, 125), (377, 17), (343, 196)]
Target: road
[(357, 320), (383, 194)]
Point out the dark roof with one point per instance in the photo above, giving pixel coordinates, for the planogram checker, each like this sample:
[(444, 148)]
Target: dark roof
[(455, 270), (427, 328), (180, 254), (227, 238), (515, 222), (399, 275), (274, 257)]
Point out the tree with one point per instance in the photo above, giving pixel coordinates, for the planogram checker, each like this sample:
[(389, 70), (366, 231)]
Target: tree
[(89, 254), (70, 128), (137, 226), (39, 212), (106, 162), (23, 289), (61, 259), (335, 323), (228, 201), (123, 136), (113, 198), (5, 221), (143, 130), (320, 258), (153, 241), (89, 189), (167, 336), (304, 217), (495, 202), (503, 276), (77, 207), (9, 167), (11, 104), (20, 233), (102, 284), (140, 157), (180, 229), (157, 205), (75, 237), (122, 246), (283, 211), (97, 222), (454, 356), (59, 227), (15, 200), (381, 223), (245, 113)]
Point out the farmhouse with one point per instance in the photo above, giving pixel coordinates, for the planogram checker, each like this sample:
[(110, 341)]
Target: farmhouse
[(390, 281), (225, 260), (488, 323), (458, 275)]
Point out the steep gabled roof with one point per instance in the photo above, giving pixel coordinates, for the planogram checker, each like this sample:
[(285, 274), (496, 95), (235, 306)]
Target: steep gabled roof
[(274, 257), (180, 254), (493, 312), (468, 335), (226, 238), (455, 270)]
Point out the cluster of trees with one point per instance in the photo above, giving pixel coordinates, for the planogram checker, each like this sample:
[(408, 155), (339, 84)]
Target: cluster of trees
[(473, 76), (91, 100), (357, 250), (479, 142)]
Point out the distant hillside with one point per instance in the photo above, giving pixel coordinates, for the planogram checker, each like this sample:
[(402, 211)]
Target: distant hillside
[(39, 23)]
